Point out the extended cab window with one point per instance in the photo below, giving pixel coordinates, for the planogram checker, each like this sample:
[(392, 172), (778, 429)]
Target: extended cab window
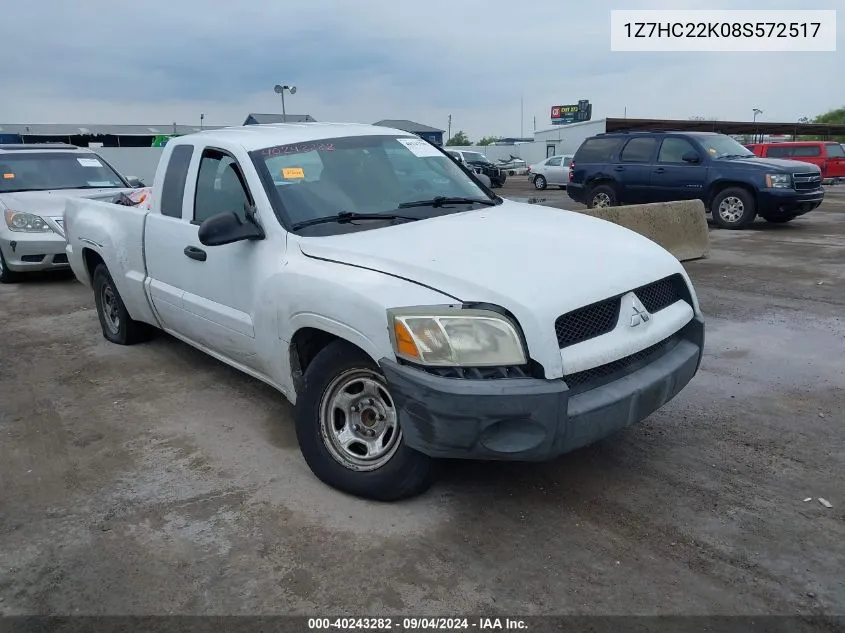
[(807, 150), (597, 150), (779, 152), (673, 149), (173, 189), (220, 187), (639, 150)]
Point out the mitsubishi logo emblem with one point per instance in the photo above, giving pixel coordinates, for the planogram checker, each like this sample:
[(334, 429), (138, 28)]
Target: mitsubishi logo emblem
[(639, 313)]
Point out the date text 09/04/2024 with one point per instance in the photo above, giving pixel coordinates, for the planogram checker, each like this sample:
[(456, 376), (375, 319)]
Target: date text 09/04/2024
[(416, 624)]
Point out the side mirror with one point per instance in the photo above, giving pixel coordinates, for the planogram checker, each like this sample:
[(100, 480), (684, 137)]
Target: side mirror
[(225, 228), (134, 181), (691, 157)]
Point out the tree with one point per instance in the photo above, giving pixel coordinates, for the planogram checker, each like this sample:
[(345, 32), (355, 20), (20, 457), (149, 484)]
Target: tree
[(833, 117), (459, 139), (698, 117), (488, 140)]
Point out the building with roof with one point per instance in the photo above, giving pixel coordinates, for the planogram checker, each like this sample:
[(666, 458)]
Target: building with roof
[(431, 134), (255, 118), (85, 135)]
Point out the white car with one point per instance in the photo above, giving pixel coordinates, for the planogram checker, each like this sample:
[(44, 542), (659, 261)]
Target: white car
[(406, 312), (35, 181), (554, 171)]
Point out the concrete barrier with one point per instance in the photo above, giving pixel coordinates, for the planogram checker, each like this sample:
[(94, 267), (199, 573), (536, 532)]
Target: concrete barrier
[(679, 227)]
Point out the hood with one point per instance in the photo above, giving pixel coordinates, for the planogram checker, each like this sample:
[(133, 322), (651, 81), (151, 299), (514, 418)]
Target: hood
[(770, 164), (51, 204), (536, 261)]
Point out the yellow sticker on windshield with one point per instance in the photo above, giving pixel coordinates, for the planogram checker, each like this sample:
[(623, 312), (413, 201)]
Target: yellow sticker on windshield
[(293, 172), (8, 176)]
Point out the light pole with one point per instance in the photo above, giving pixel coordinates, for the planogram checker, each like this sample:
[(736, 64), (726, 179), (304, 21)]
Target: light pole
[(756, 112), (202, 118), (280, 90)]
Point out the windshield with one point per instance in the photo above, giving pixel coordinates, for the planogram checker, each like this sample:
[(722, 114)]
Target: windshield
[(475, 157), (719, 146), (835, 150), (44, 171), (362, 174)]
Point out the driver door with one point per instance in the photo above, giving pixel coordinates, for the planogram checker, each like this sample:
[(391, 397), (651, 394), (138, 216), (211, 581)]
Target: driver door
[(220, 289)]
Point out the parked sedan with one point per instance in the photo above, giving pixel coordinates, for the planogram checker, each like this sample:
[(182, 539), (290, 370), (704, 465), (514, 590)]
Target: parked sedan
[(35, 181), (552, 171)]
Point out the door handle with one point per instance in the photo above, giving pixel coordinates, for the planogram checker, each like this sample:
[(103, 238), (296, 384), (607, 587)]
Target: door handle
[(619, 168), (195, 253), (659, 170)]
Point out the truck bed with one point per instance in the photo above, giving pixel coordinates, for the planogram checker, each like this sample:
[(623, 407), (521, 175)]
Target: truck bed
[(112, 233)]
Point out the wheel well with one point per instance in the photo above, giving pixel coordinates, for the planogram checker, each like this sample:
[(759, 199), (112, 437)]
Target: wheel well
[(305, 344), (91, 259), (717, 187)]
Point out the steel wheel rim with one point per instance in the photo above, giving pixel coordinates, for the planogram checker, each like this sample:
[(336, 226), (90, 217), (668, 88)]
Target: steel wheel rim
[(358, 421), (601, 200), (731, 209), (108, 300)]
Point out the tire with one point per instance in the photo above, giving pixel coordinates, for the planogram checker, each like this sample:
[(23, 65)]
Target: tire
[(539, 182), (781, 219), (7, 276), (733, 208), (118, 327), (393, 471), (601, 197)]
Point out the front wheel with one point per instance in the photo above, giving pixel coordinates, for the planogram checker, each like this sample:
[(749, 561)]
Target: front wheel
[(733, 208), (7, 276), (347, 425)]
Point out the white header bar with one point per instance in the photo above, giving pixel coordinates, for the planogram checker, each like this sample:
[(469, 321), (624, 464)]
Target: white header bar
[(723, 31)]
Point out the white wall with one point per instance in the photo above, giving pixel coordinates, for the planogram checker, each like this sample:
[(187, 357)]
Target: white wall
[(568, 138), (133, 161)]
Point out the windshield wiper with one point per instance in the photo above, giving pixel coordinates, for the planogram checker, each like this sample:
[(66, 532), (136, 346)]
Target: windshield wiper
[(348, 216), (439, 201)]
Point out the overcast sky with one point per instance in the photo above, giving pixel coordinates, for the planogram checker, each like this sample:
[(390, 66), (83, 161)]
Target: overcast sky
[(158, 62)]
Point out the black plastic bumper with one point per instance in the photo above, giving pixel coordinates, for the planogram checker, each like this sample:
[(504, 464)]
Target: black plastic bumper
[(788, 202), (530, 419)]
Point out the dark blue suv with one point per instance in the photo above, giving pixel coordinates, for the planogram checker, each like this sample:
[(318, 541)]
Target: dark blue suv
[(735, 185)]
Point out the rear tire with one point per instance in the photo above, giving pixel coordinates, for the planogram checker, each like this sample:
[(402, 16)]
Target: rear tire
[(601, 197), (539, 182), (733, 208), (7, 276), (118, 327), (348, 429)]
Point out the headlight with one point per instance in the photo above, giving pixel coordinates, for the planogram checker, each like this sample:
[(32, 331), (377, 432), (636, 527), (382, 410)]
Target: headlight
[(453, 337), (26, 222), (779, 181)]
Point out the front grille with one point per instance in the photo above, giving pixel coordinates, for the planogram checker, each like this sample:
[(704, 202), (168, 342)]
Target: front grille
[(32, 258), (597, 376), (807, 181), (601, 317), (478, 373)]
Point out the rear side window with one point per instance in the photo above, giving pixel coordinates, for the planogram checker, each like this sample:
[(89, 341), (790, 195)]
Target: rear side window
[(639, 150), (835, 150), (554, 162), (173, 189), (779, 152), (807, 150), (597, 150)]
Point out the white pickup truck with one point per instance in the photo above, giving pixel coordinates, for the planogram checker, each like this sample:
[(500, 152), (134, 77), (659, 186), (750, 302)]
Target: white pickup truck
[(407, 311)]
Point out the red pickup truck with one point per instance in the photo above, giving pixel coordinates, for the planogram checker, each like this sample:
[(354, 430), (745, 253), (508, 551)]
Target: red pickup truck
[(829, 156)]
